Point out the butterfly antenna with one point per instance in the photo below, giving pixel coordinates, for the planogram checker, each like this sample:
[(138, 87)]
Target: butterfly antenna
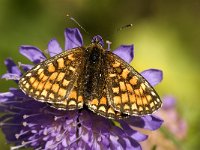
[(76, 22), (125, 27)]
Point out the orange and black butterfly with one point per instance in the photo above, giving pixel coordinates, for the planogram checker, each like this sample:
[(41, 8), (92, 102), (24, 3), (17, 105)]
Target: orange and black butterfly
[(94, 77)]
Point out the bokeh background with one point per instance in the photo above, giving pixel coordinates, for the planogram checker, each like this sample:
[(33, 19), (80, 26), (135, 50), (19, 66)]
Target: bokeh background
[(165, 34)]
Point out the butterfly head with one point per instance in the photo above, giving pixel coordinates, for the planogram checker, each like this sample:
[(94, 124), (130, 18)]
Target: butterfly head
[(98, 40)]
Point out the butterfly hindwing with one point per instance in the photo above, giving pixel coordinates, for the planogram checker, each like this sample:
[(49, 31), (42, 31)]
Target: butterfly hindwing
[(129, 92), (102, 107), (54, 80)]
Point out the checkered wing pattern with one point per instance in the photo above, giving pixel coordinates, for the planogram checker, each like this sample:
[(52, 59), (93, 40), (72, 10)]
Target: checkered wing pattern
[(55, 80), (129, 92), (102, 107)]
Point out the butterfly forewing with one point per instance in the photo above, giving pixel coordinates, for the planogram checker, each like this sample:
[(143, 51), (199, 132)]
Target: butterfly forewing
[(55, 80), (129, 92)]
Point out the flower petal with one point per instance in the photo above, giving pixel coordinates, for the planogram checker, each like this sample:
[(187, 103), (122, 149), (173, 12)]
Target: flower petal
[(132, 133), (98, 39), (32, 53), (153, 76), (73, 38), (125, 52), (25, 67), (12, 67), (54, 48), (168, 102), (149, 122), (10, 76)]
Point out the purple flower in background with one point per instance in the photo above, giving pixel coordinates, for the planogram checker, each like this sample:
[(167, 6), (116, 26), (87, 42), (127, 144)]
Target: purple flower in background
[(174, 122), (29, 123), (174, 125)]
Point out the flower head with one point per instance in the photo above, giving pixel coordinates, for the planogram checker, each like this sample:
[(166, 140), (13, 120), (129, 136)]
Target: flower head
[(174, 128), (29, 123)]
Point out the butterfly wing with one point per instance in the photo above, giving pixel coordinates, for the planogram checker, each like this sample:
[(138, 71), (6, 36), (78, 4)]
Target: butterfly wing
[(129, 92), (55, 80), (102, 107)]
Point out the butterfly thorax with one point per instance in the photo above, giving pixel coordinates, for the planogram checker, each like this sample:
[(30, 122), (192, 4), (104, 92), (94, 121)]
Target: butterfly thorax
[(93, 79)]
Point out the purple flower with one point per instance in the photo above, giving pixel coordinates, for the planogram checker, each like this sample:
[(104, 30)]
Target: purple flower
[(174, 122), (174, 125), (29, 123)]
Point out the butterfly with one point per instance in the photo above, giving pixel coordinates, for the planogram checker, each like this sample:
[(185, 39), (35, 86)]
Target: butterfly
[(94, 77)]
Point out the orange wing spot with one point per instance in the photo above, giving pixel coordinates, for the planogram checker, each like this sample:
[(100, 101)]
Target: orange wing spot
[(133, 80), (47, 85), (27, 85), (112, 75), (73, 94), (60, 63), (149, 98), (32, 79), (44, 93), (117, 100), (62, 92), (132, 98), (126, 107), (122, 86), (141, 91), (102, 108), (51, 67), (55, 88), (94, 102), (37, 93), (129, 88), (124, 98), (71, 57), (144, 100), (80, 98), (134, 106), (72, 68), (140, 108), (40, 71), (115, 90), (41, 75), (51, 96), (72, 103), (111, 111), (137, 92), (143, 86), (125, 73), (53, 76), (116, 64), (44, 78), (35, 84), (139, 100), (65, 82), (151, 104), (103, 101), (40, 86), (60, 76)]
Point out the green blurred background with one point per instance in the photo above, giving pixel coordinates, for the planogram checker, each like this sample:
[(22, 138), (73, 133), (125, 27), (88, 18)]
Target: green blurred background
[(165, 34)]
